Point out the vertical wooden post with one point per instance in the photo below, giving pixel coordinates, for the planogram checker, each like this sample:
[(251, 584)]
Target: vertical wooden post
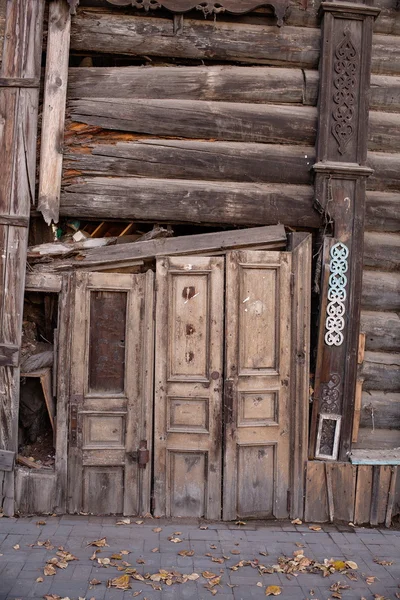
[(55, 94), (18, 126), (340, 188)]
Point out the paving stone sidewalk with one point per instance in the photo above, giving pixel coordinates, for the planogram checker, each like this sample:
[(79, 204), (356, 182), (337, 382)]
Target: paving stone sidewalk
[(22, 561)]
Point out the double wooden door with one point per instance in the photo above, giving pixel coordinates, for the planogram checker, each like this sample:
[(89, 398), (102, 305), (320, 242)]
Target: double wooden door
[(222, 395)]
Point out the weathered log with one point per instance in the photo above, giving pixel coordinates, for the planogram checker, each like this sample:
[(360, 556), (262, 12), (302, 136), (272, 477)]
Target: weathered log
[(381, 371), (100, 31), (382, 211), (222, 120), (218, 83), (272, 237), (382, 250), (380, 410), (382, 330), (377, 439), (385, 92), (183, 159), (387, 171), (165, 200), (381, 291), (197, 119)]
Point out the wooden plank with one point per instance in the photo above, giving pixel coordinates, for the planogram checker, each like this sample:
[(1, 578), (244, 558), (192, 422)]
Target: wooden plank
[(380, 490), (9, 355), (43, 282), (55, 92), (344, 487), (381, 410), (35, 492), (381, 371), (300, 245), (375, 457), (18, 112), (187, 159), (391, 497), (386, 167), (382, 251), (26, 462), (362, 507), (357, 409), (381, 291), (99, 30), (243, 122), (193, 244), (14, 220), (19, 82), (329, 489), (361, 348), (7, 460), (316, 503), (382, 330), (163, 200)]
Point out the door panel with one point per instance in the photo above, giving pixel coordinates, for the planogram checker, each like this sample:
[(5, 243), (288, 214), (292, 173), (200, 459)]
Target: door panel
[(188, 381), (110, 393), (257, 368)]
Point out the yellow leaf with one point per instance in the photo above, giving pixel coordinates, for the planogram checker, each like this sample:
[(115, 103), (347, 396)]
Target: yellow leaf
[(116, 556), (273, 590), (121, 583), (339, 565), (351, 564)]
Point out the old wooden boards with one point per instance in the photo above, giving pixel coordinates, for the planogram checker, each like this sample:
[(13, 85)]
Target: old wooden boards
[(19, 95), (111, 375), (358, 494)]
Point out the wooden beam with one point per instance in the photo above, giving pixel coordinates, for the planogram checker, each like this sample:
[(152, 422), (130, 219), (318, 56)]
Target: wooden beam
[(21, 59), (381, 371), (19, 82), (55, 92), (340, 184), (380, 410), (382, 251), (380, 291), (169, 200), (382, 211), (189, 244), (43, 282)]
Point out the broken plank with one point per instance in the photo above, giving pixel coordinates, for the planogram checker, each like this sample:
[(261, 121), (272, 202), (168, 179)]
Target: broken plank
[(206, 202), (189, 244), (22, 460), (43, 282)]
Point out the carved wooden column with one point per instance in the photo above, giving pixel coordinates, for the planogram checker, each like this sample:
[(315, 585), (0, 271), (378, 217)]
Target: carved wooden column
[(340, 188)]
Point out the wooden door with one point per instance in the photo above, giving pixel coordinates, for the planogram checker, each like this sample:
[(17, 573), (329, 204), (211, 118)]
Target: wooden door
[(111, 393), (188, 386), (257, 369)]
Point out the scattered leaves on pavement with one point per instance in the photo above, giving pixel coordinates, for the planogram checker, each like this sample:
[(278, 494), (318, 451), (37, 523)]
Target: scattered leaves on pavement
[(99, 543), (121, 583), (49, 570), (385, 563)]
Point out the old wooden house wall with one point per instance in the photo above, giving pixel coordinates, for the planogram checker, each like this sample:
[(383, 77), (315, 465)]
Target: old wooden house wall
[(380, 320), (2, 24)]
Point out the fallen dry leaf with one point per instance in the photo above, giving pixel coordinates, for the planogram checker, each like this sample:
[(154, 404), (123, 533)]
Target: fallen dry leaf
[(315, 528), (40, 522), (259, 584), (155, 549), (203, 527), (193, 576), (94, 582), (39, 580), (125, 552), (103, 561), (352, 565), (139, 522), (157, 529), (235, 551), (385, 563), (99, 543), (186, 553), (123, 522), (16, 547), (240, 523), (370, 579), (93, 557), (135, 594), (175, 540), (297, 522), (208, 575), (116, 556), (263, 553), (140, 561), (121, 583), (273, 590), (213, 547), (52, 597), (49, 570)]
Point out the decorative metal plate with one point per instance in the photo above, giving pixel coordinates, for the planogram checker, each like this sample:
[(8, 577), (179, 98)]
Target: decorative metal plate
[(336, 295)]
